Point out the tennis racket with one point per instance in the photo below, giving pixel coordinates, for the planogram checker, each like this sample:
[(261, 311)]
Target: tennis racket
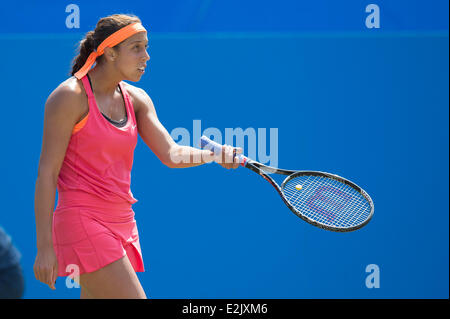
[(322, 199)]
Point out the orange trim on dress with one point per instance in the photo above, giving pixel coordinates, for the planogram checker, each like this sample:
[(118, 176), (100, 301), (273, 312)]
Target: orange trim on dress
[(80, 124)]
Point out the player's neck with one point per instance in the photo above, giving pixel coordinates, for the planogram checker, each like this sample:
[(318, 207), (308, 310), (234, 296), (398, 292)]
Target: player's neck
[(103, 82)]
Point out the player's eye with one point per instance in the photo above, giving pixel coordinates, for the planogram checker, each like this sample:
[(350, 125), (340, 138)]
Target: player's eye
[(138, 46)]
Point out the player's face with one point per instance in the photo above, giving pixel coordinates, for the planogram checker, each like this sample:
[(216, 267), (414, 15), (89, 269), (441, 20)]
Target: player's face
[(133, 56)]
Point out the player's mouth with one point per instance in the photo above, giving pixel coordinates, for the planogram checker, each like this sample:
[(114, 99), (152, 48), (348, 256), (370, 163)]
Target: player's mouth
[(142, 69)]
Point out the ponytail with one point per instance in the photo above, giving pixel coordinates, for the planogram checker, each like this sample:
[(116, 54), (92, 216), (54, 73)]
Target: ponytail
[(87, 46)]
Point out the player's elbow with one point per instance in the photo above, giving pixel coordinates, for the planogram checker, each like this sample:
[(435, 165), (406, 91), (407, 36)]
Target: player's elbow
[(167, 158)]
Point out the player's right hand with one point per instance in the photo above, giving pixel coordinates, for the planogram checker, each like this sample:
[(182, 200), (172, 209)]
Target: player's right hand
[(46, 266)]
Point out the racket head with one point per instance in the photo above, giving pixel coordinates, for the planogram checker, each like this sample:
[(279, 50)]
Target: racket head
[(327, 201)]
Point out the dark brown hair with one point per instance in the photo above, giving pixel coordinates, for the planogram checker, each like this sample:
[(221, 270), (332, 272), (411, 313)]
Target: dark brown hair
[(105, 27)]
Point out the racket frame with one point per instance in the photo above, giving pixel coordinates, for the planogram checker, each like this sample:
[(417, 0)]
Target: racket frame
[(264, 171)]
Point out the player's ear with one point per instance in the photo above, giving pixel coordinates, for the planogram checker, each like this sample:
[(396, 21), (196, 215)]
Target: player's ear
[(110, 54)]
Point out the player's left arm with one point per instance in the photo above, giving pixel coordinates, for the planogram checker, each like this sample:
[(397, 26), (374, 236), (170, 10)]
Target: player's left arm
[(156, 137)]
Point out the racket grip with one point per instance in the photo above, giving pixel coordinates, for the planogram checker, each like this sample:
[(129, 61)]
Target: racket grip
[(206, 143)]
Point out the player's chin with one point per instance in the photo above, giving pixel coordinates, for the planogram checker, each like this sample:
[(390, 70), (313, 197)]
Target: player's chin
[(135, 76)]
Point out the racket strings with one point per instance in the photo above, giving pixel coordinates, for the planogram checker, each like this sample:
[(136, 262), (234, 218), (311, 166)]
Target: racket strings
[(327, 201), (324, 211), (325, 205)]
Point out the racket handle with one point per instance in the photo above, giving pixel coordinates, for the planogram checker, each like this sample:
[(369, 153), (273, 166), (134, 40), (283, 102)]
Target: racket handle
[(217, 149)]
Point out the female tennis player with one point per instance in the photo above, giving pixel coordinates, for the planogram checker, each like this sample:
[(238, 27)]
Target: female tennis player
[(91, 124)]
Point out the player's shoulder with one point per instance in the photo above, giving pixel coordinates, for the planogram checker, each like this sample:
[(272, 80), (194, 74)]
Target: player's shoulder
[(69, 94), (71, 88), (139, 96)]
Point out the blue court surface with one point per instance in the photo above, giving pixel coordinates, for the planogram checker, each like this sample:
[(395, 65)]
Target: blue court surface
[(369, 104)]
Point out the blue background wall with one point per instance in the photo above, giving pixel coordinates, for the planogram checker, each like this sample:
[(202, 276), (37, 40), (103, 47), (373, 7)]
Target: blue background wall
[(367, 104)]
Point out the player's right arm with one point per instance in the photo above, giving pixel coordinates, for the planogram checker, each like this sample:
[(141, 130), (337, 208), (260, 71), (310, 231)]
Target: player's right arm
[(63, 109)]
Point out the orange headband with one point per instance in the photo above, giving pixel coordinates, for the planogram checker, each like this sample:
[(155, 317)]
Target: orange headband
[(110, 41)]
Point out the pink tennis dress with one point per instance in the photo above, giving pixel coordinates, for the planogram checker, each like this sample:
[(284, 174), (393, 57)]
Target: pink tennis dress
[(93, 223)]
